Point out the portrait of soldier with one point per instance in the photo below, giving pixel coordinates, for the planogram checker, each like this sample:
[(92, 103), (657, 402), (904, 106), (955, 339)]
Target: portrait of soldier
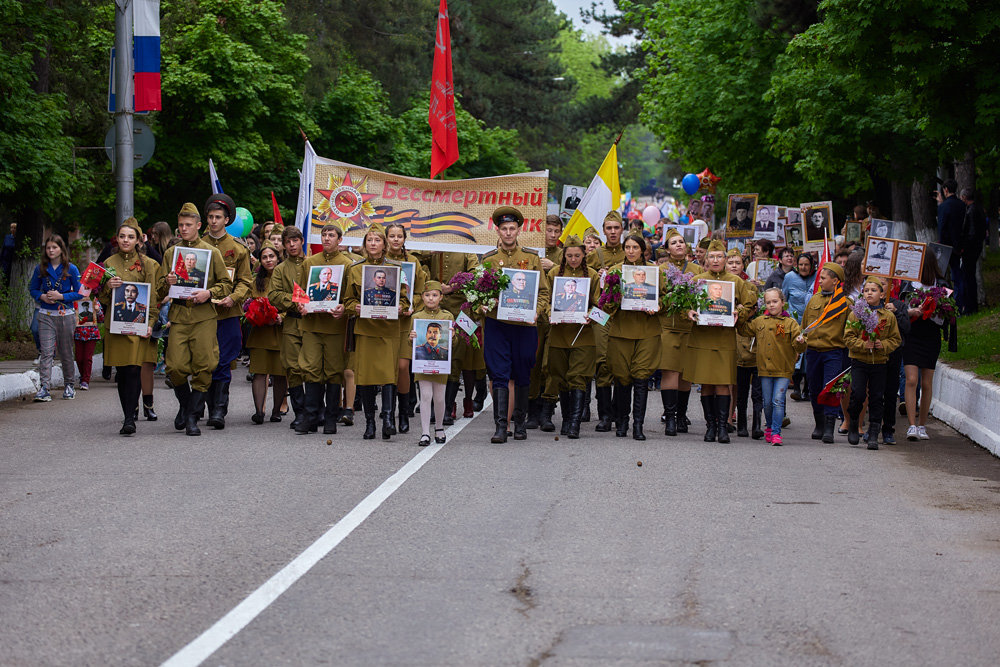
[(639, 288), (569, 300), (324, 289), (432, 350), (379, 294), (741, 220), (196, 276), (717, 303), (129, 309)]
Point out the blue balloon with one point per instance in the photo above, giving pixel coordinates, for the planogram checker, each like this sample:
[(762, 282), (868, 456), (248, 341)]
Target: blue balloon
[(691, 183)]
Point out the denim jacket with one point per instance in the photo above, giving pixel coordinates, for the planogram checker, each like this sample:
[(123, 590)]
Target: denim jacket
[(52, 280)]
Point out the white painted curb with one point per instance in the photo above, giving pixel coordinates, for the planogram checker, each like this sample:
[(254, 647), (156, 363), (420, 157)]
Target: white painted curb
[(968, 404), (16, 385)]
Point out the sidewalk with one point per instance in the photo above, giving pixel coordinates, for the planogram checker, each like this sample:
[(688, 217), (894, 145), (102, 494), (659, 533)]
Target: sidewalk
[(19, 378)]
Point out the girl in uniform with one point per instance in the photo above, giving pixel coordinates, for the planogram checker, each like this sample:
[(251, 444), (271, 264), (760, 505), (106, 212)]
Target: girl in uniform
[(674, 331), (747, 380), (396, 238), (131, 354), (633, 346), (264, 343), (431, 386)]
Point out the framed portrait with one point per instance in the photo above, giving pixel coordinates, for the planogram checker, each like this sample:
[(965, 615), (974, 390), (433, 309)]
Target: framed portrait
[(407, 279), (432, 347), (708, 210), (765, 225), (691, 233), (852, 232), (571, 196), (640, 288), (761, 269), (740, 213), (793, 236), (87, 312), (518, 303), (779, 240), (323, 287), (782, 213), (738, 244), (817, 224), (721, 309), (130, 309), (942, 256), (380, 292), (191, 268), (879, 254), (882, 228), (909, 260), (570, 300), (793, 216)]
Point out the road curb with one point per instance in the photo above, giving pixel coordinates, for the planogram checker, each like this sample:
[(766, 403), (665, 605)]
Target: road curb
[(968, 404), (18, 385)]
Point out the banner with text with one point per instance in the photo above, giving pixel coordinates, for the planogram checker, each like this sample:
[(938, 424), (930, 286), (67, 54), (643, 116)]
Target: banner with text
[(437, 215)]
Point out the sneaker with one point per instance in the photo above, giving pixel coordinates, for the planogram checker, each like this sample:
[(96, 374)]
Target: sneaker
[(68, 393), (912, 433), (37, 361), (84, 386), (888, 438), (922, 433), (776, 440), (43, 396), (767, 435)]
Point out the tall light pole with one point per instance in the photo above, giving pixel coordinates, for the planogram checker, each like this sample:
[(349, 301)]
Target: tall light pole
[(124, 103)]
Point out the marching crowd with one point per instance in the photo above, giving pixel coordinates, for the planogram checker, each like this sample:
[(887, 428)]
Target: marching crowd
[(796, 328)]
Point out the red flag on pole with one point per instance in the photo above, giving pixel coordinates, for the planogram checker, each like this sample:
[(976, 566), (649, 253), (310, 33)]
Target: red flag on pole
[(298, 294), (277, 213), (441, 115)]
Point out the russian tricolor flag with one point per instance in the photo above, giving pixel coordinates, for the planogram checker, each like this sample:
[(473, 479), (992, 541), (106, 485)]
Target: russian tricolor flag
[(146, 37)]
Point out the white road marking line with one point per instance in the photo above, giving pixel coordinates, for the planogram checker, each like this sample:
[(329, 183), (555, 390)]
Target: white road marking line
[(240, 616)]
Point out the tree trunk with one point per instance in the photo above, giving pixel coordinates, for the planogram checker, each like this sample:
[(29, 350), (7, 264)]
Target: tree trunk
[(924, 210), (901, 209), (965, 172)]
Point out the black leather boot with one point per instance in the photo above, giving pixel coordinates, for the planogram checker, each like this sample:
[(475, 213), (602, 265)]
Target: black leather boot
[(450, 396), (479, 398), (313, 411), (501, 396), (404, 406), (217, 404), (682, 410), (669, 411), (545, 419), (817, 433), (640, 393), (741, 421), (829, 425), (722, 416), (388, 403), (853, 432), (577, 399), (208, 404), (183, 394), (195, 405), (331, 414), (708, 406), (125, 396), (565, 411), (755, 430), (534, 412), (147, 409), (622, 400), (874, 428), (604, 408), (520, 412), (586, 403), (367, 395), (297, 398)]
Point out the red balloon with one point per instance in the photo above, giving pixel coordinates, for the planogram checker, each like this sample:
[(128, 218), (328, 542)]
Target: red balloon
[(708, 180)]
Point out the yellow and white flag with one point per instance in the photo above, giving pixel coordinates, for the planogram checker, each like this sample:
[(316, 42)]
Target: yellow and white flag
[(603, 195)]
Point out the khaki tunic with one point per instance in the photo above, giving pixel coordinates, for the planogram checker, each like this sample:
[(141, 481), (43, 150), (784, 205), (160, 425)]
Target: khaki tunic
[(279, 292), (237, 260), (890, 339), (323, 353), (829, 335), (121, 350), (416, 301), (376, 341), (675, 329), (424, 314), (604, 257), (775, 349), (442, 266), (713, 349), (264, 343), (522, 258), (633, 340), (571, 365)]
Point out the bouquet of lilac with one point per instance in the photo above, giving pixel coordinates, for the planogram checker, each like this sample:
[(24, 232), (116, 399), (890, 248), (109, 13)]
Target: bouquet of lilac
[(867, 322), (682, 292), (481, 287), (611, 290)]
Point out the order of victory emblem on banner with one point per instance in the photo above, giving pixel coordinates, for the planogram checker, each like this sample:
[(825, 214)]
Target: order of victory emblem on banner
[(437, 214)]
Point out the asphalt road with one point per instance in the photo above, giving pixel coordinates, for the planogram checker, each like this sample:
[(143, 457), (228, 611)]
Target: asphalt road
[(123, 551)]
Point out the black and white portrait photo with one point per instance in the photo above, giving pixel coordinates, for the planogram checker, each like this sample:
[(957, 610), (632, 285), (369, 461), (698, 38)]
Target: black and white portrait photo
[(740, 215), (766, 223), (817, 222), (881, 228)]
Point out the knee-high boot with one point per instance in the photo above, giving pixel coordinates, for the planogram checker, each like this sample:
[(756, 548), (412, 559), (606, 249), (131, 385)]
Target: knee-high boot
[(669, 411), (501, 396), (708, 406), (313, 411), (367, 395), (622, 400), (640, 393), (520, 412), (388, 405), (331, 415), (722, 416), (183, 394), (605, 408), (683, 397), (576, 399)]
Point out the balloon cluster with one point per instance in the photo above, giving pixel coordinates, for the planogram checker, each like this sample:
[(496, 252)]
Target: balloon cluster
[(704, 180)]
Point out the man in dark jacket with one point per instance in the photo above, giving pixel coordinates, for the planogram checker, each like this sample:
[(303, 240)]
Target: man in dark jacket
[(971, 246), (951, 219)]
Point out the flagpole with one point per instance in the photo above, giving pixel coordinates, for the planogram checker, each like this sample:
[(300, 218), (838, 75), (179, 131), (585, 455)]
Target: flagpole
[(124, 131)]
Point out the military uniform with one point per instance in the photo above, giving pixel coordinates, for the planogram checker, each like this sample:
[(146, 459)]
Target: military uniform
[(674, 331), (413, 293), (438, 353), (279, 292), (540, 388), (775, 353), (868, 376), (264, 343), (826, 355), (604, 257)]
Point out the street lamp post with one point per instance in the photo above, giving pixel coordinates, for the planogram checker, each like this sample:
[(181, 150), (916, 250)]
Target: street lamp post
[(124, 94)]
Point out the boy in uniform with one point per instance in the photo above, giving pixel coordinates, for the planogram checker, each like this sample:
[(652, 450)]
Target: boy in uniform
[(603, 259), (279, 292)]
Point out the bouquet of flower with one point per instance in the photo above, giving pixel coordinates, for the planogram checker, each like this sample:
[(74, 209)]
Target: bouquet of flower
[(259, 312), (611, 290), (481, 287), (834, 389), (867, 322), (934, 302), (682, 292)]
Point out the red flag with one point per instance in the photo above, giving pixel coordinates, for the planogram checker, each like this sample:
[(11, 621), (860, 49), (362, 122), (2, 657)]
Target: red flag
[(298, 294), (277, 212), (180, 269), (441, 115), (823, 259)]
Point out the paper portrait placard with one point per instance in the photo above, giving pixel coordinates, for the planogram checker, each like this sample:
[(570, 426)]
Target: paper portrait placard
[(942, 255), (891, 258), (691, 233), (324, 287), (817, 221), (380, 292), (407, 278), (191, 268), (570, 297), (765, 225), (740, 212), (852, 232), (86, 312), (130, 309), (640, 288), (909, 261), (519, 301), (721, 310), (793, 236), (432, 347), (884, 229)]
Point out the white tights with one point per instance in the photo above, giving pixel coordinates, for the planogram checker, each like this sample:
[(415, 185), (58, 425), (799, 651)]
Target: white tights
[(430, 390)]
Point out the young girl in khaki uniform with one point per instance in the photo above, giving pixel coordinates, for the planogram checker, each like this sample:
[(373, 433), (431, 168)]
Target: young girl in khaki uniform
[(264, 343), (395, 235), (674, 332), (431, 386)]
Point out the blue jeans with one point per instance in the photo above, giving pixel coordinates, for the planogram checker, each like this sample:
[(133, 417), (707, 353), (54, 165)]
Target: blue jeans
[(821, 367), (774, 402)]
